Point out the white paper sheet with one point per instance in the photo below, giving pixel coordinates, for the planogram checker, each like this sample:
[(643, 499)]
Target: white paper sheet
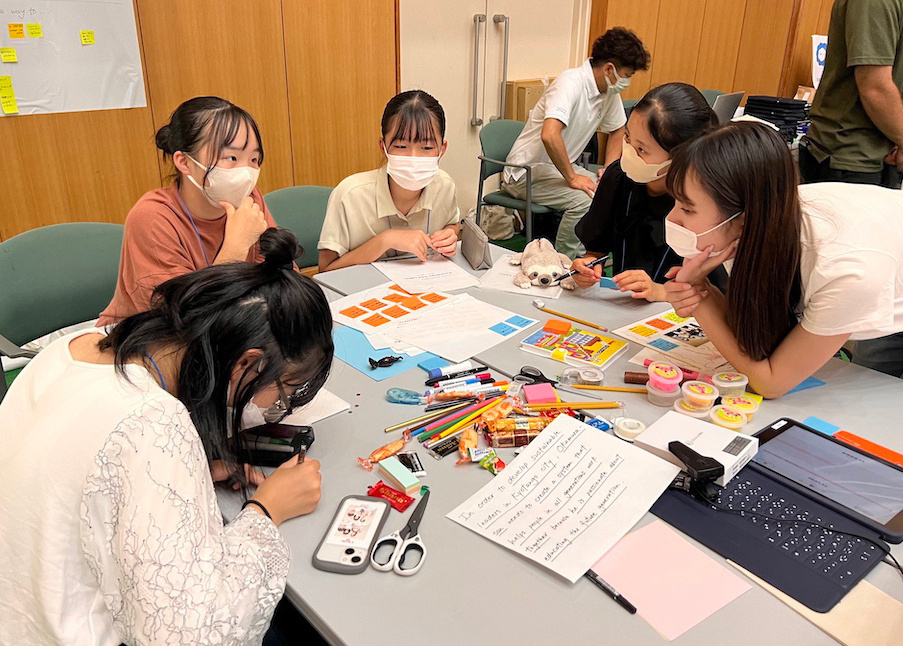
[(501, 277), (376, 310), (568, 497), (459, 330), (324, 404), (436, 273)]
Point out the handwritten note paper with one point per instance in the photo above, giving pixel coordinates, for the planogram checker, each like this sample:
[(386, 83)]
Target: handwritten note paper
[(34, 30), (7, 96), (8, 55), (501, 277), (16, 30), (568, 498), (86, 36), (418, 277)]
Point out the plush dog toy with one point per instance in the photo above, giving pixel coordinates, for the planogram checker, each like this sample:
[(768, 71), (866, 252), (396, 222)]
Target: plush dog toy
[(540, 265)]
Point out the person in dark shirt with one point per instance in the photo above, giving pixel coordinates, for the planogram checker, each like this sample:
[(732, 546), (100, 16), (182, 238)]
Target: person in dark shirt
[(627, 216)]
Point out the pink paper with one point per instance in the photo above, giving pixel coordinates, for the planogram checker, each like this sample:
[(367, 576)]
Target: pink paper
[(672, 583)]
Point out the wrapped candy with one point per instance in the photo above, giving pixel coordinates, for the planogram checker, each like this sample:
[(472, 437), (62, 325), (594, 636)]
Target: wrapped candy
[(492, 463), (468, 440), (383, 452), (398, 500)]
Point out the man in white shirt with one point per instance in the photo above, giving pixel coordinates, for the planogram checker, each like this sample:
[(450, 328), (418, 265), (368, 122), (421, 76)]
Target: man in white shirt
[(567, 116)]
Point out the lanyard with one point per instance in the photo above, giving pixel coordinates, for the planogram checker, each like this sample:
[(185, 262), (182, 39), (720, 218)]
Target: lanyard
[(195, 227), (624, 246)]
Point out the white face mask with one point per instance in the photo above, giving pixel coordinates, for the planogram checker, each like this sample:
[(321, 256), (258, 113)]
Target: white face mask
[(230, 185), (410, 172), (684, 242), (619, 85), (637, 169)]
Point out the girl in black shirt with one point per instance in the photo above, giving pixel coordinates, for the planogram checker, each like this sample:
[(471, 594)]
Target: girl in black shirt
[(627, 216)]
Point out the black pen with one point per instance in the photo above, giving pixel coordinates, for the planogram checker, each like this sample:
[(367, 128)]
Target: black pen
[(574, 272), (610, 591)]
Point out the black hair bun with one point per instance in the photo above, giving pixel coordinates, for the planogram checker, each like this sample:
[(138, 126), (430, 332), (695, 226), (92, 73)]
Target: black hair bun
[(279, 247), (164, 141)]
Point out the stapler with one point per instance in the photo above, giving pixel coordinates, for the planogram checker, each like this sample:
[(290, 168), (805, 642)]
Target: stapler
[(700, 472)]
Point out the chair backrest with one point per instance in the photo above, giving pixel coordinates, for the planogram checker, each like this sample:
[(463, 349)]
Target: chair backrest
[(301, 209), (57, 276), (496, 139)]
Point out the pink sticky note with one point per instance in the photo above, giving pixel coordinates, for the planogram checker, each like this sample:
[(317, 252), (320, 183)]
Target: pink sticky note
[(673, 584), (540, 394)]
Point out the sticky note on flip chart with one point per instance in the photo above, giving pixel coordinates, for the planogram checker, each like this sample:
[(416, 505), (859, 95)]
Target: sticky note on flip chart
[(87, 36), (34, 30), (8, 96), (8, 55), (16, 30)]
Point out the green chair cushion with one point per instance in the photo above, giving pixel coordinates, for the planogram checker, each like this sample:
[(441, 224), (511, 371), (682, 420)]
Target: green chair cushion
[(301, 209)]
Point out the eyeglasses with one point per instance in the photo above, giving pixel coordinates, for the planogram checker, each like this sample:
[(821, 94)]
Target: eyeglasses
[(284, 406)]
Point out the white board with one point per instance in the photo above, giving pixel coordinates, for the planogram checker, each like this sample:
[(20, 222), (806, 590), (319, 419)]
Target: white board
[(56, 72)]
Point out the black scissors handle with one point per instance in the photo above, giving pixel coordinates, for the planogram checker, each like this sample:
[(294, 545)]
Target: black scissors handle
[(531, 375), (410, 529)]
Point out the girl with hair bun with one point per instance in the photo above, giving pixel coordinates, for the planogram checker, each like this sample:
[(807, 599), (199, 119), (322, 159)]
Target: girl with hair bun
[(212, 213), (106, 443)]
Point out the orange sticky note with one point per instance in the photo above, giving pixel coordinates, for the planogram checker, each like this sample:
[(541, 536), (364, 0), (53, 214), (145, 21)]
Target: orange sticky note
[(8, 55), (660, 324), (413, 303), (373, 304), (353, 312), (399, 289), (394, 312), (395, 298), (87, 36), (16, 30), (375, 320), (433, 298), (34, 30)]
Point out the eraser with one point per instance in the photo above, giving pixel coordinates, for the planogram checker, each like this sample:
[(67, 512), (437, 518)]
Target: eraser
[(396, 475), (540, 394), (433, 362), (554, 326), (607, 282)]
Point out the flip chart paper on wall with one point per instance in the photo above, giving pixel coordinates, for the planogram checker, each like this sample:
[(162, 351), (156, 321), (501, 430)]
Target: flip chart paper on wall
[(76, 56), (568, 497)]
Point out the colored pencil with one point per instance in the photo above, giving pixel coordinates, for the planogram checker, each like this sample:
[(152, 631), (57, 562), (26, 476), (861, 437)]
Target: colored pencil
[(574, 405), (413, 422), (611, 389)]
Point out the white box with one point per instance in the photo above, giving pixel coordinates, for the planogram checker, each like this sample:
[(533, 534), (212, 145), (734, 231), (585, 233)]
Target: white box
[(730, 448)]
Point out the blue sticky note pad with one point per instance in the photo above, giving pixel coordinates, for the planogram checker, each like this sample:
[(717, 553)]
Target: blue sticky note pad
[(607, 282), (662, 344), (808, 382), (434, 363), (503, 328), (821, 425), (352, 347), (519, 321)]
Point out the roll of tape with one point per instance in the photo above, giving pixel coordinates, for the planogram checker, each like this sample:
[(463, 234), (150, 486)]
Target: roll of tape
[(591, 376), (628, 429), (570, 376)]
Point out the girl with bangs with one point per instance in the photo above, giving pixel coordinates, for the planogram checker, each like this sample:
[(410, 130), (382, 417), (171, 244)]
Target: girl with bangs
[(211, 214), (813, 265), (406, 207)]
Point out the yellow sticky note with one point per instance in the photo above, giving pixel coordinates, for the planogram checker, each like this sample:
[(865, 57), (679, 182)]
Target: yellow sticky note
[(34, 30), (7, 96), (87, 36), (8, 55), (16, 30), (6, 83)]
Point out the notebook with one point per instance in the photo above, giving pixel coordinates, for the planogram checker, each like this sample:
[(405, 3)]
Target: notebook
[(576, 347)]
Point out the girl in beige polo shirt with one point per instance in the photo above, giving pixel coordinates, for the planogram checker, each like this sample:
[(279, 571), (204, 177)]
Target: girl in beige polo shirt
[(407, 206), (210, 214)]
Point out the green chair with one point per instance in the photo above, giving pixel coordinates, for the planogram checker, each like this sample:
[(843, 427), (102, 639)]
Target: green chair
[(53, 277), (496, 139), (301, 209), (711, 95)]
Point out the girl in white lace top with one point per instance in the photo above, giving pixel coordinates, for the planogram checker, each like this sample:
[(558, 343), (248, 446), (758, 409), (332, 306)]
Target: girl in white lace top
[(111, 531)]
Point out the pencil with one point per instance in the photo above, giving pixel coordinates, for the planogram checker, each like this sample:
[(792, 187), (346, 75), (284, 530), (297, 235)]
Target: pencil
[(573, 318), (574, 405), (431, 415), (434, 428), (611, 389), (464, 422)]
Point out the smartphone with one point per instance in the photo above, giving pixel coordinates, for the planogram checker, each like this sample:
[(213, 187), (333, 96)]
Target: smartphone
[(346, 546)]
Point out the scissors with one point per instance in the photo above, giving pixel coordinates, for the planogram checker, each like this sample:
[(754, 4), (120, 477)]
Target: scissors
[(530, 375), (402, 551)]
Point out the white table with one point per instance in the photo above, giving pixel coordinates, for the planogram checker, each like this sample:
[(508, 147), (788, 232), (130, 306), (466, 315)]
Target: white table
[(473, 591)]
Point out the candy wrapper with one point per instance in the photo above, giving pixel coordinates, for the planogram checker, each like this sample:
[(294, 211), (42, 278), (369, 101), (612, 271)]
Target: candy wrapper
[(492, 463), (397, 499), (383, 452), (469, 440)]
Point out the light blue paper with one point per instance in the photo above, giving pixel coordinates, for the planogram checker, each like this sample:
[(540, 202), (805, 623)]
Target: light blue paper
[(607, 282), (805, 384), (352, 347), (821, 425)]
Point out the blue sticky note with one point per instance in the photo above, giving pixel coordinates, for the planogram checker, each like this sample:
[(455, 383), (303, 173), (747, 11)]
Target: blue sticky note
[(662, 344), (433, 363), (503, 328), (519, 321), (605, 281), (808, 382), (352, 347), (821, 425)]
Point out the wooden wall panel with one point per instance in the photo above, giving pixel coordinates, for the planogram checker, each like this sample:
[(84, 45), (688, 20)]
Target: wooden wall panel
[(676, 50), (341, 66), (824, 17), (719, 44), (227, 48), (640, 16), (798, 58), (74, 166), (763, 43)]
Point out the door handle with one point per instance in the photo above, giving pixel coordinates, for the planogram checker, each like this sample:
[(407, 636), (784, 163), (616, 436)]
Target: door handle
[(477, 19), (500, 18)]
